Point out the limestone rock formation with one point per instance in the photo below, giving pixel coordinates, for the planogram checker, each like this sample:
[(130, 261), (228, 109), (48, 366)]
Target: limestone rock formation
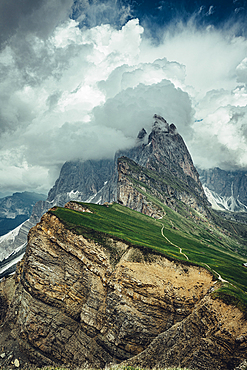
[(227, 188), (163, 152), (213, 337), (78, 302), (136, 184), (83, 179), (165, 149)]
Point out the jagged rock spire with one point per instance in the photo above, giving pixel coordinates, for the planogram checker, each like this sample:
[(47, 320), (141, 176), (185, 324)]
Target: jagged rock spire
[(142, 134), (160, 124)]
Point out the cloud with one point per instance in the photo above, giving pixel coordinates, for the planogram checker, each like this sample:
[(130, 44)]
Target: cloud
[(84, 87), (127, 76), (94, 13), (133, 108), (211, 56), (220, 139), (19, 18)]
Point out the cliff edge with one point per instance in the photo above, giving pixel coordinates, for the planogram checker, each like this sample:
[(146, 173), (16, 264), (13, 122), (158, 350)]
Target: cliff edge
[(80, 302)]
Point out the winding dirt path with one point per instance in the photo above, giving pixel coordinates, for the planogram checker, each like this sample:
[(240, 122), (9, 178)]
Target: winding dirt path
[(219, 276), (180, 249)]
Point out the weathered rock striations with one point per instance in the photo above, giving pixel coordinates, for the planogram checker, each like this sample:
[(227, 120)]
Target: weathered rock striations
[(136, 184), (81, 303), (214, 336)]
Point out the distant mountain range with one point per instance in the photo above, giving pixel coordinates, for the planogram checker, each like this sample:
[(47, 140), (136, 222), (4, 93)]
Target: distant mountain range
[(226, 190), (16, 209)]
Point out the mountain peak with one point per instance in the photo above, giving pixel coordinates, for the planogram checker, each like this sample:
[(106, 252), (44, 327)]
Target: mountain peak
[(161, 125), (142, 134)]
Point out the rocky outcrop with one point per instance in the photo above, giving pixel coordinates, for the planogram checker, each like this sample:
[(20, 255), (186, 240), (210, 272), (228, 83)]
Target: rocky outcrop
[(81, 181), (226, 190), (164, 153), (214, 336), (84, 303), (137, 186), (165, 150)]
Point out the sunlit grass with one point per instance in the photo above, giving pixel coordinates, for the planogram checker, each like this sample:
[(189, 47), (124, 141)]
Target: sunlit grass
[(141, 231)]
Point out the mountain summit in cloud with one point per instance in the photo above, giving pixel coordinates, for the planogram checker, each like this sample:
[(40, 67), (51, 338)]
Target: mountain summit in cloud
[(160, 150), (75, 76)]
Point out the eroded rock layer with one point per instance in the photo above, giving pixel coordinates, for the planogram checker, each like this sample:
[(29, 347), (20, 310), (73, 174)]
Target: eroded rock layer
[(136, 184), (77, 302)]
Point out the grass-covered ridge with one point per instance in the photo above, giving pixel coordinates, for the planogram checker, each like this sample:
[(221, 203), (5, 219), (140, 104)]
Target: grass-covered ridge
[(196, 240)]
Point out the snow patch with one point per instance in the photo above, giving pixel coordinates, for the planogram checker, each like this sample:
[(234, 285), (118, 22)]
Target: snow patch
[(223, 203), (11, 235), (14, 261), (74, 194)]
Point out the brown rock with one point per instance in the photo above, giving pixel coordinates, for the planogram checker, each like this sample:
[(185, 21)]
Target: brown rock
[(81, 303)]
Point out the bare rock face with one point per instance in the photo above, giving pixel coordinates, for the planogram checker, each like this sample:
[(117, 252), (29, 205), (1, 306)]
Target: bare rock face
[(172, 176), (80, 303), (227, 189), (136, 183), (165, 150), (214, 336), (81, 179)]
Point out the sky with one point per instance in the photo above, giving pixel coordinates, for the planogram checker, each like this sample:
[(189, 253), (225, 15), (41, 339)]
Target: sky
[(79, 79)]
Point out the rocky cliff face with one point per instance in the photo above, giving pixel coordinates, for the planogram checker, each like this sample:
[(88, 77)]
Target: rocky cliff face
[(81, 181), (81, 303), (137, 186), (163, 149), (226, 190), (164, 153), (212, 337)]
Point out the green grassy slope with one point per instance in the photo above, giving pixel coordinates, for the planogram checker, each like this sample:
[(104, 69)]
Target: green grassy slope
[(198, 240), (205, 239)]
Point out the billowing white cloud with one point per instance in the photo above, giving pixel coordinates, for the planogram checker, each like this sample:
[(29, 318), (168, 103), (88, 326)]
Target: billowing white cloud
[(211, 56), (220, 139), (133, 108), (83, 89)]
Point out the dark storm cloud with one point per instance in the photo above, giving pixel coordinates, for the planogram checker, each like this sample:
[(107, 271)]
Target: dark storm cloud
[(20, 17)]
